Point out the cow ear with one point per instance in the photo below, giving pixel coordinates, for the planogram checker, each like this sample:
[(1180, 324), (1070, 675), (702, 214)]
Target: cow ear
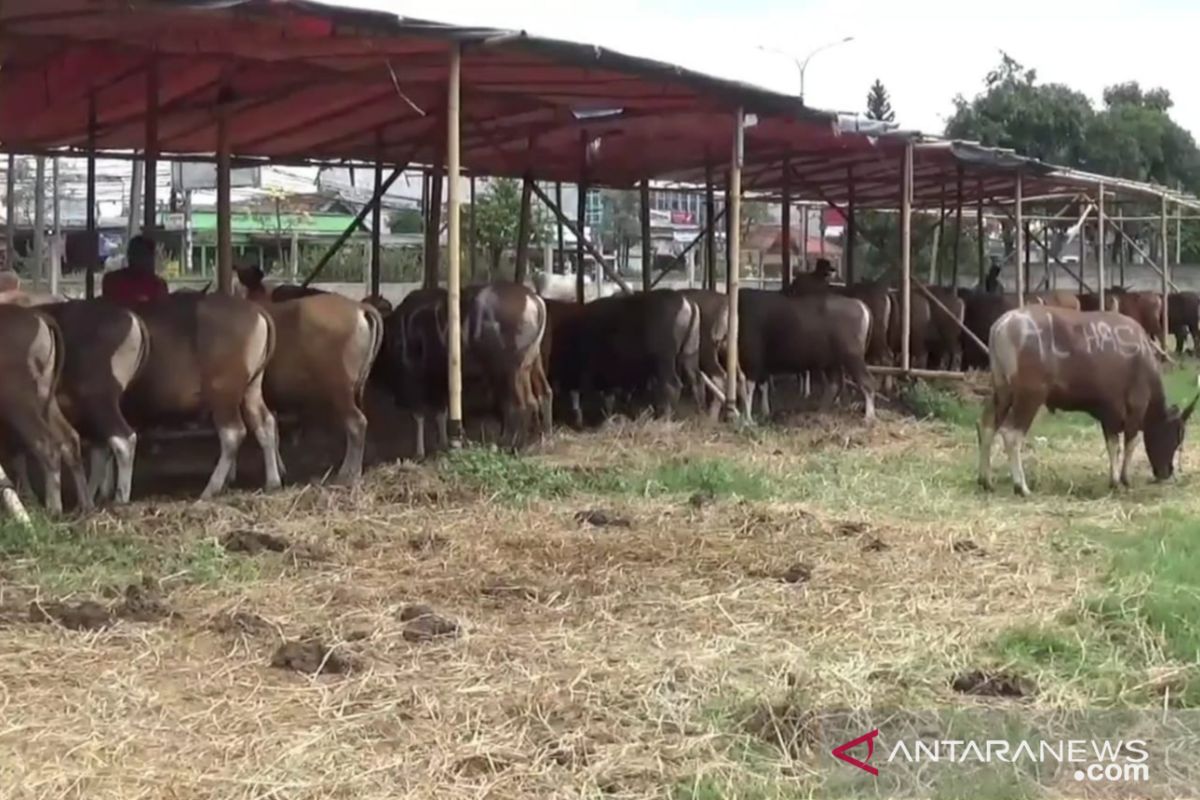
[(1187, 412)]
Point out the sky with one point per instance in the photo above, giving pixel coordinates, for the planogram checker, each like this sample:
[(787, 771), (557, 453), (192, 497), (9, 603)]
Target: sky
[(925, 51)]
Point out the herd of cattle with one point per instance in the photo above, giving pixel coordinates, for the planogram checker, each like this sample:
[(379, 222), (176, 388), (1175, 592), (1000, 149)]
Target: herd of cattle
[(95, 373)]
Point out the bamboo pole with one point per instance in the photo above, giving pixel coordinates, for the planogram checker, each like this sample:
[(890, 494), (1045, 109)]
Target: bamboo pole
[(710, 236), (1100, 248), (785, 227), (10, 206), (647, 244), (135, 199), (39, 219), (803, 238), (906, 259), (562, 250), (54, 265), (1019, 206), (1150, 262), (958, 215), (521, 268), (454, 425), (980, 244), (1179, 232), (580, 218), (1121, 246), (851, 227), (733, 268), (150, 194), (433, 229), (1166, 273), (377, 230), (224, 206), (92, 237)]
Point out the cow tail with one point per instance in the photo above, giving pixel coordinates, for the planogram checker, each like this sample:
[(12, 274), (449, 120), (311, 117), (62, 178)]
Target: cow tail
[(270, 348), (375, 325), (543, 321), (60, 357), (144, 352)]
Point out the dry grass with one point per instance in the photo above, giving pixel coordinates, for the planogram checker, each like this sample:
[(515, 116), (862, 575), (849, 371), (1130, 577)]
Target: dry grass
[(594, 662)]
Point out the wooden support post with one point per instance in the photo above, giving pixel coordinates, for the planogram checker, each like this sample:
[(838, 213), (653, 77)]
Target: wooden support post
[(851, 228), (135, 199), (785, 228), (710, 237), (580, 219), (958, 215), (433, 230), (647, 243), (471, 257), (1019, 209), (521, 268), (1121, 248), (906, 275), (803, 238), (150, 195), (10, 206), (1100, 248), (39, 220), (377, 230), (354, 225), (562, 250), (732, 269), (224, 206), (93, 238), (54, 263), (453, 277), (1166, 273), (1179, 232), (1028, 257), (980, 233), (1048, 276), (729, 233)]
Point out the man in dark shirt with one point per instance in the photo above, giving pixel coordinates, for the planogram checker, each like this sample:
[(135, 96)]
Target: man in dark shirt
[(136, 283)]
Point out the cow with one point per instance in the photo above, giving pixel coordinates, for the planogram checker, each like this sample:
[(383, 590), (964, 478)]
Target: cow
[(208, 356), (1146, 308), (980, 312), (326, 346), (1055, 298), (919, 325), (944, 338), (1098, 362), (31, 364), (256, 289), (106, 348), (628, 343), (1091, 302), (878, 301), (502, 329), (413, 363), (714, 339), (821, 332), (1183, 314)]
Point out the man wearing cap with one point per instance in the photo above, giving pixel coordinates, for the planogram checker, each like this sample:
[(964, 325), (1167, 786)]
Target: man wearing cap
[(136, 283), (824, 270)]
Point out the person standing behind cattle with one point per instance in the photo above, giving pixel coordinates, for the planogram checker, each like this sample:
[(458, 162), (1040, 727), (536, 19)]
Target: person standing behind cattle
[(1098, 362), (136, 283)]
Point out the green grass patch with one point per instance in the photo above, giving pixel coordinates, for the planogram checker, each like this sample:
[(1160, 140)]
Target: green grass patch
[(517, 479), (928, 400)]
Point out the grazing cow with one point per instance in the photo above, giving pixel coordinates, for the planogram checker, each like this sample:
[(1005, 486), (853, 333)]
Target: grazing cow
[(1097, 362), (981, 310), (31, 363), (919, 326), (413, 364), (1091, 302), (714, 338), (878, 301), (106, 347), (1183, 314), (824, 333), (503, 326), (325, 348), (565, 321), (208, 355), (944, 340), (1146, 308), (626, 343)]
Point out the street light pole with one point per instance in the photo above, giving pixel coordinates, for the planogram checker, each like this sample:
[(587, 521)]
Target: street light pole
[(802, 64)]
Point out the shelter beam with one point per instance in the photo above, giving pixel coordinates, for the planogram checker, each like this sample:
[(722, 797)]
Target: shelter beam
[(733, 268), (454, 256)]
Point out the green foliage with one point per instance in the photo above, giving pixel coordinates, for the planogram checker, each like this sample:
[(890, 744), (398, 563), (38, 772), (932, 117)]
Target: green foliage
[(879, 104), (206, 561), (61, 556), (406, 220), (929, 400), (498, 219)]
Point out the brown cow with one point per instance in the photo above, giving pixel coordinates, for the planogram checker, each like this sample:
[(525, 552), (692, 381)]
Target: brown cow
[(823, 333), (1091, 302), (944, 338), (208, 355), (1055, 299), (502, 329), (982, 309), (1097, 362), (1183, 314), (31, 363), (919, 324), (413, 362), (1146, 308), (326, 347), (106, 348)]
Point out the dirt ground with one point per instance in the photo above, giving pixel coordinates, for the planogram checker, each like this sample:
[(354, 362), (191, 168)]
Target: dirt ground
[(643, 611)]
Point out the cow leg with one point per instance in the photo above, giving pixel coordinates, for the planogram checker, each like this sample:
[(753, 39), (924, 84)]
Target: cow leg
[(100, 474), (263, 424), (1014, 438), (356, 444), (123, 450), (986, 433), (11, 501), (747, 398), (765, 399), (420, 435), (72, 454), (1112, 442), (231, 431), (37, 439), (1131, 439), (860, 376)]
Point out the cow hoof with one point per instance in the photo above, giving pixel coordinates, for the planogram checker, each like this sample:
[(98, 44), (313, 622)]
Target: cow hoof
[(1022, 491), (985, 484)]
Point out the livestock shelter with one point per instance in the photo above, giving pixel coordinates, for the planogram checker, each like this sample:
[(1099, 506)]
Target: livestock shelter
[(248, 82)]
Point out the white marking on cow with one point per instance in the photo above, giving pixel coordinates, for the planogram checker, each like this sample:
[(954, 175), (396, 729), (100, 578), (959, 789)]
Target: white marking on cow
[(123, 450), (1113, 445), (127, 358), (358, 349), (231, 437), (11, 501), (865, 330), (41, 361), (1130, 449), (1013, 440), (266, 431)]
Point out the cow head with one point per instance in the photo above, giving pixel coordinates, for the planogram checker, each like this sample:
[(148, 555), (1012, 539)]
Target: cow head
[(1165, 437)]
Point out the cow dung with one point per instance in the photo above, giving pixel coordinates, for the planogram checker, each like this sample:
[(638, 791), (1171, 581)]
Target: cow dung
[(310, 657), (963, 546), (144, 603), (601, 519), (990, 684), (424, 624), (796, 573), (253, 542), (85, 616)]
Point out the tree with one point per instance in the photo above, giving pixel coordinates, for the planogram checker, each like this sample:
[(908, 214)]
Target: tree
[(879, 104), (405, 220), (497, 216), (620, 223)]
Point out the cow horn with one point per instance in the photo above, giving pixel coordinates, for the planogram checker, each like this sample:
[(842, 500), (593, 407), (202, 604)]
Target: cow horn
[(1187, 412)]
